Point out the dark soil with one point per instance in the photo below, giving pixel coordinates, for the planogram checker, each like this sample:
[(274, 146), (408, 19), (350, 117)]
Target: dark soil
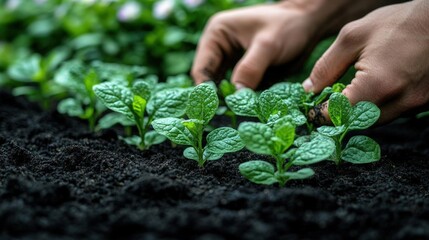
[(59, 181)]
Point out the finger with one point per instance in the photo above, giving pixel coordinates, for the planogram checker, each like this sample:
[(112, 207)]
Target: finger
[(334, 62), (209, 57), (252, 66)]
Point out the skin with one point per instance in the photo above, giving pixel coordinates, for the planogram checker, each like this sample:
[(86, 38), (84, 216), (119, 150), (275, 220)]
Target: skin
[(389, 48)]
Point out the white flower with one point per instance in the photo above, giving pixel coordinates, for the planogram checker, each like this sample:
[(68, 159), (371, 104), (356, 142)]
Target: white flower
[(163, 8), (129, 11), (193, 3), (13, 4)]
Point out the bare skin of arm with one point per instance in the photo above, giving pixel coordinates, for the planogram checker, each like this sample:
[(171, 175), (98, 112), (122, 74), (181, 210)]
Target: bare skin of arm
[(389, 49), (269, 35)]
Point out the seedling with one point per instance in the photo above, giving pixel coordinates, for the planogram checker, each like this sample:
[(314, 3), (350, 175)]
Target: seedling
[(79, 80), (34, 75), (225, 89), (276, 141), (345, 117), (200, 109), (141, 105)]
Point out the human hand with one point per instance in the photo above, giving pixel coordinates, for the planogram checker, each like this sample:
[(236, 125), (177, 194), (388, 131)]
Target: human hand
[(390, 49), (269, 34)]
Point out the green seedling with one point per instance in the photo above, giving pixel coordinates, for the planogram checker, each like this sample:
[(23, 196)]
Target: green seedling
[(200, 109), (268, 105), (142, 105), (33, 76), (345, 117), (225, 89), (277, 141), (82, 102)]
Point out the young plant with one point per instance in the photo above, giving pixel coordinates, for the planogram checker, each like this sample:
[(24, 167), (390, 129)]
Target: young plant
[(267, 105), (225, 89), (79, 81), (34, 77), (141, 105), (345, 117), (276, 141), (200, 109)]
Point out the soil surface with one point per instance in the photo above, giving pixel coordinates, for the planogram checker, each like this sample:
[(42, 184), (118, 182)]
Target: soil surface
[(59, 181)]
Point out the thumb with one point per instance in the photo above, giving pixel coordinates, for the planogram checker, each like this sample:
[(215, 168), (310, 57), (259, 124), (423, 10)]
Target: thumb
[(250, 70), (332, 65)]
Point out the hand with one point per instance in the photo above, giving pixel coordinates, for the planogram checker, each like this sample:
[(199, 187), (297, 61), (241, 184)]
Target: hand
[(390, 50), (270, 35)]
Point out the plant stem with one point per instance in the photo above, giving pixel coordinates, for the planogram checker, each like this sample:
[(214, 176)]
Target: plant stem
[(200, 150), (142, 133)]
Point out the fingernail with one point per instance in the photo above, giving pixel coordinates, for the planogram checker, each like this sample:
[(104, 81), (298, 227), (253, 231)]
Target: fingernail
[(239, 86), (308, 85)]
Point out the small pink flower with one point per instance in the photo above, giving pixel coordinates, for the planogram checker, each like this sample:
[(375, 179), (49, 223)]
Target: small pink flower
[(163, 8), (129, 11), (193, 3)]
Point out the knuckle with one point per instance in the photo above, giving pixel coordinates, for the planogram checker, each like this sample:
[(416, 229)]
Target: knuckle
[(350, 34), (268, 42)]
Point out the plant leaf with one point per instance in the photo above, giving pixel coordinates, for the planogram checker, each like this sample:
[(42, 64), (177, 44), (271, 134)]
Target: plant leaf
[(116, 97), (256, 137), (258, 171), (168, 103), (223, 140), (203, 103), (242, 102), (152, 138), (318, 149), (139, 105), (190, 153), (286, 90), (113, 118), (363, 115), (268, 104), (141, 89), (361, 149), (174, 130), (300, 174), (71, 107), (331, 131), (339, 109)]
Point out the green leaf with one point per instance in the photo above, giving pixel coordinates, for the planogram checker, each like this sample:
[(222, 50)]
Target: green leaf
[(139, 105), (190, 153), (152, 138), (322, 96), (112, 119), (242, 102), (203, 103), (268, 104), (361, 149), (331, 131), (195, 127), (338, 87), (223, 140), (256, 137), (298, 118), (132, 140), (71, 107), (168, 103), (339, 109), (174, 130), (300, 174), (301, 140), (287, 90), (318, 149), (226, 88), (26, 69), (363, 115), (141, 89), (259, 172), (286, 133), (116, 97)]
